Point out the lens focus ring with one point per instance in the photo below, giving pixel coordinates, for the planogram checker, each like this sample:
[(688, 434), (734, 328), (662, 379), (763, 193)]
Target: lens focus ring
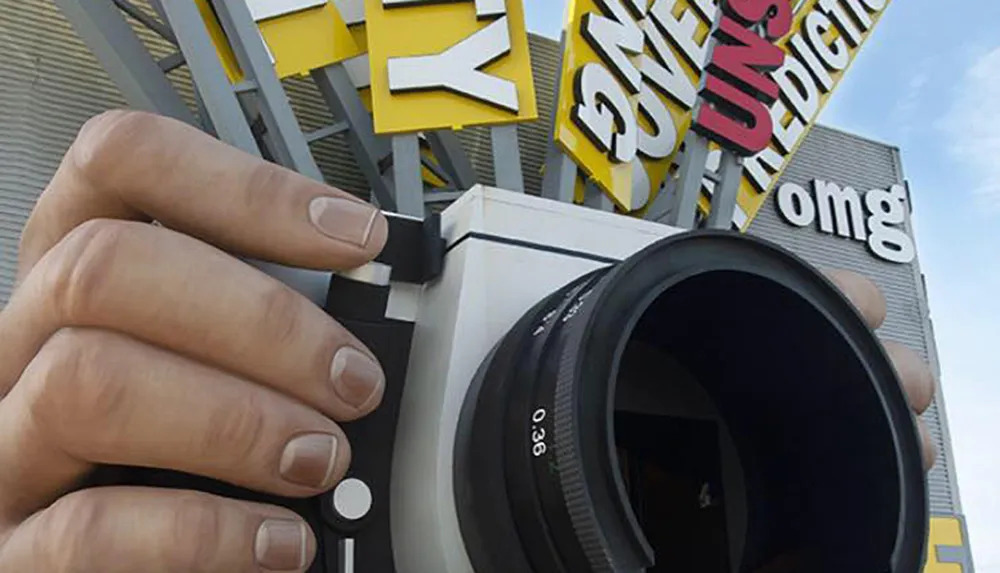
[(571, 476)]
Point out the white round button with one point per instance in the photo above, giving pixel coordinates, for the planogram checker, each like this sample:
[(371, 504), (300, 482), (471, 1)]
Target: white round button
[(352, 499)]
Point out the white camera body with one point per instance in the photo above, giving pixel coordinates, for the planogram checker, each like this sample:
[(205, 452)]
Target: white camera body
[(506, 251)]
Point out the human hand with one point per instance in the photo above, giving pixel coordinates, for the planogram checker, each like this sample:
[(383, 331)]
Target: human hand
[(914, 374), (150, 346)]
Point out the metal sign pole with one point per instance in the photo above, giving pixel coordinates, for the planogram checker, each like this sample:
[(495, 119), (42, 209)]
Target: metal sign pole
[(286, 135), (683, 205), (726, 191), (447, 149), (342, 99), (595, 198), (209, 76), (407, 175), (507, 157), (559, 180)]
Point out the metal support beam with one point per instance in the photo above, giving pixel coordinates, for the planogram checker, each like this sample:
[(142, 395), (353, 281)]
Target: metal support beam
[(146, 20), (507, 157), (345, 104), (103, 28), (684, 203), (171, 62), (559, 181), (595, 198), (407, 175), (206, 119), (435, 170), (452, 157), (660, 207), (208, 74), (158, 8), (442, 196), (723, 207), (327, 131), (290, 144)]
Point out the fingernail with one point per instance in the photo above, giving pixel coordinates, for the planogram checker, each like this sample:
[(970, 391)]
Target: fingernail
[(342, 219), (357, 379), (309, 460), (281, 545)]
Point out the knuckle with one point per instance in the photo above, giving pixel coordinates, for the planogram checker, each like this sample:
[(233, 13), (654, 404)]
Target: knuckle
[(75, 384), (82, 264), (281, 315), (106, 138), (235, 432), (52, 374), (196, 535)]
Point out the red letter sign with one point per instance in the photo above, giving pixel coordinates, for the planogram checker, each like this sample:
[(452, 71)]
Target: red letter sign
[(750, 12), (745, 134), (737, 90), (741, 57)]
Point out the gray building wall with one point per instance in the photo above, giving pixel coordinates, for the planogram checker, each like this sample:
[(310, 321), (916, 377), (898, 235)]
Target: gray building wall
[(52, 85)]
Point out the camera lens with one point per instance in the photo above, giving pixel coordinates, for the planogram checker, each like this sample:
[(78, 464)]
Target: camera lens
[(710, 404)]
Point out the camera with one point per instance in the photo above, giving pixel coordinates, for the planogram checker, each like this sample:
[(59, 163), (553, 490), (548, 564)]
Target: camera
[(573, 391)]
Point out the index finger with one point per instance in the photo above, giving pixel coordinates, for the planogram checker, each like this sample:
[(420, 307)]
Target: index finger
[(143, 167)]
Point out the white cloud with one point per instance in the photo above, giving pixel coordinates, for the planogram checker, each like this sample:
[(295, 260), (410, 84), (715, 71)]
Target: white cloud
[(972, 126), (904, 113), (908, 103)]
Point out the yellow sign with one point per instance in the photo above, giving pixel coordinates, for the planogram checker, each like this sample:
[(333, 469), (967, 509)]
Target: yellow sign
[(448, 65), (589, 150), (299, 40), (947, 548), (353, 12), (627, 87), (618, 51)]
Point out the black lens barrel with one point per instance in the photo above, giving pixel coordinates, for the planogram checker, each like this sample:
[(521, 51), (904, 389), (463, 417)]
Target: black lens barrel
[(538, 486)]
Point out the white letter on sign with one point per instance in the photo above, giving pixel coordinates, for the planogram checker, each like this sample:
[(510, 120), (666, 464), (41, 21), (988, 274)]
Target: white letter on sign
[(795, 205), (484, 8), (664, 71), (840, 210), (616, 40), (659, 143), (835, 54), (457, 69), (887, 208), (604, 114), (352, 11), (266, 9)]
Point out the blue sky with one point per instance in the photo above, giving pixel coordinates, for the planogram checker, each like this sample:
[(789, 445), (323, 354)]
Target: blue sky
[(928, 81)]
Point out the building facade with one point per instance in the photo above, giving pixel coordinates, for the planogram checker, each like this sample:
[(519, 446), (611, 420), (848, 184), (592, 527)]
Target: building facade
[(51, 84)]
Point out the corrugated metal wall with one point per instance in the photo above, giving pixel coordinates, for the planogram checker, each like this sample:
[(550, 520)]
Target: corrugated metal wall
[(51, 85), (848, 160)]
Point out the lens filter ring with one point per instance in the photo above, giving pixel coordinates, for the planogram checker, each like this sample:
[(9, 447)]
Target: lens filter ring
[(502, 521)]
